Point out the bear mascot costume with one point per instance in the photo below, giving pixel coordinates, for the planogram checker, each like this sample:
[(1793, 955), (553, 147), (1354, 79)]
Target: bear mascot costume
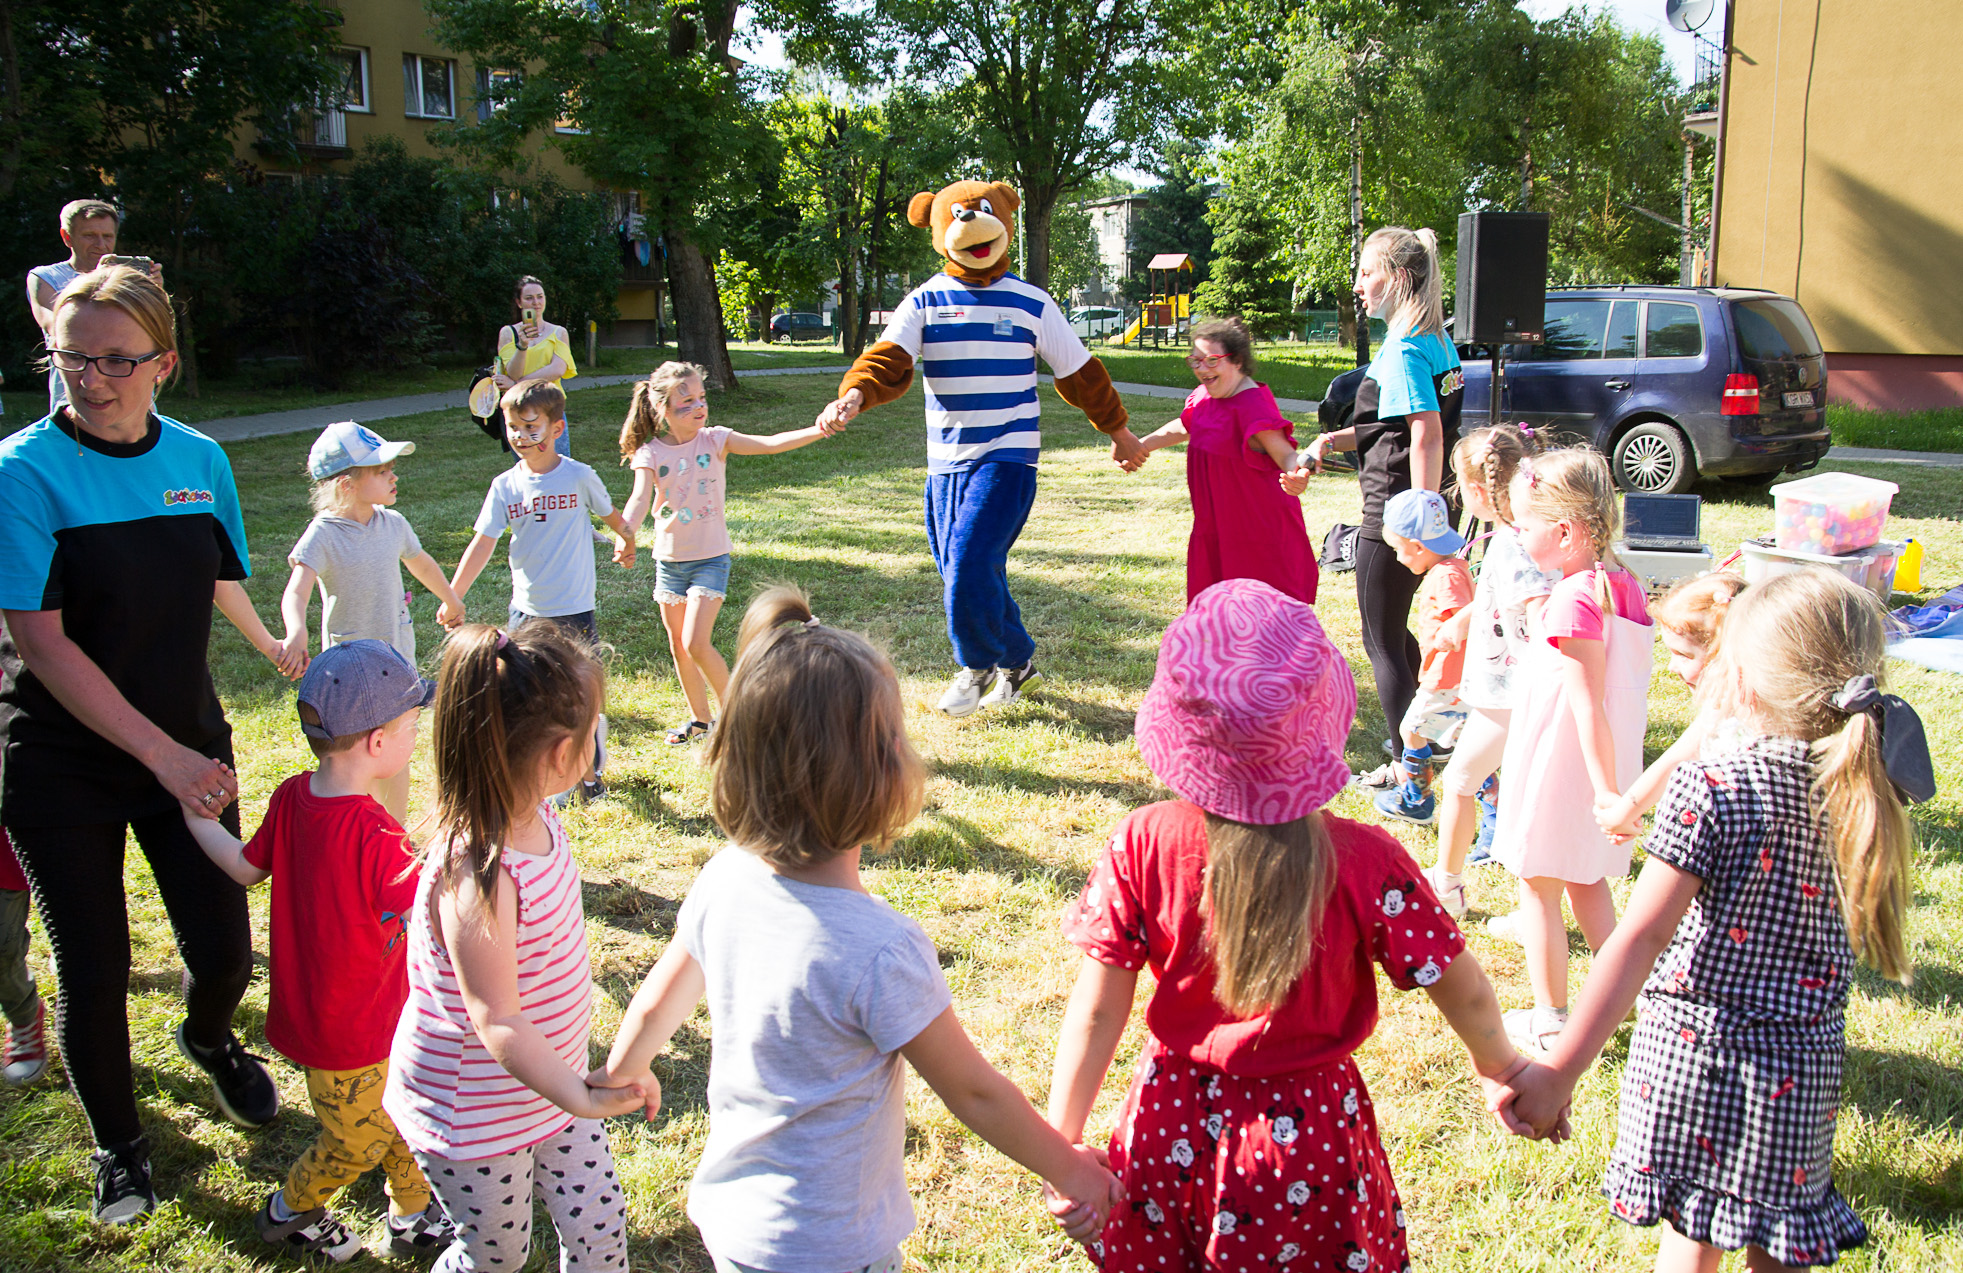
[(976, 331)]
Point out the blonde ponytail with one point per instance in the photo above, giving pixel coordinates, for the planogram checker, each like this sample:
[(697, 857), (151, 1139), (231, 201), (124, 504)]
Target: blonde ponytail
[(1417, 305)]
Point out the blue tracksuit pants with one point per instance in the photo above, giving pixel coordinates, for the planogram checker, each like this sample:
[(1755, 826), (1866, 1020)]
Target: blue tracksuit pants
[(972, 519)]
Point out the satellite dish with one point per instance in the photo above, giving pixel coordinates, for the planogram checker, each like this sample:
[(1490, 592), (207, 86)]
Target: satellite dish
[(1687, 15)]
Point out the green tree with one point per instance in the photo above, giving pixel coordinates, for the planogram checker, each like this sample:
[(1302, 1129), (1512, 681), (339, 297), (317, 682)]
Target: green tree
[(1249, 280), (1175, 217), (1063, 89)]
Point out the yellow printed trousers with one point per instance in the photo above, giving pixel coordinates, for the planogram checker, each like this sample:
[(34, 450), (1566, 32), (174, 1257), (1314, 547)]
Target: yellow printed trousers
[(356, 1135)]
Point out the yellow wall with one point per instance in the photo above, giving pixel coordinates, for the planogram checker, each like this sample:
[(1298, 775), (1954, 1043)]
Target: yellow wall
[(387, 29), (1843, 169)]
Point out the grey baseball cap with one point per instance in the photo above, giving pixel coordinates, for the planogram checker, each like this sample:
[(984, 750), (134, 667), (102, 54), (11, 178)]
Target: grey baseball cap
[(358, 686)]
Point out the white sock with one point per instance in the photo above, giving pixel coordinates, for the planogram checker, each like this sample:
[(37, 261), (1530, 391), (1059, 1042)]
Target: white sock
[(281, 1212)]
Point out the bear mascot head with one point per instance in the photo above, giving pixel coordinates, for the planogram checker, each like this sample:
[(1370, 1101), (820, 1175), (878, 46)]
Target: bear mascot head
[(972, 223)]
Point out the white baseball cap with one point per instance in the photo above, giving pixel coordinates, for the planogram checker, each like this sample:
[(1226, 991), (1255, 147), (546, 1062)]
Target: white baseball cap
[(1421, 516), (346, 445)]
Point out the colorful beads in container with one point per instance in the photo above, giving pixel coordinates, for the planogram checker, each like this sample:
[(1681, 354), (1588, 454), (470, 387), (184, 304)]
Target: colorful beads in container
[(1831, 513)]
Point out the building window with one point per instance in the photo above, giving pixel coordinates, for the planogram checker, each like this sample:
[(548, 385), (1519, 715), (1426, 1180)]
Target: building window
[(566, 123), (353, 90), (494, 89), (429, 87)]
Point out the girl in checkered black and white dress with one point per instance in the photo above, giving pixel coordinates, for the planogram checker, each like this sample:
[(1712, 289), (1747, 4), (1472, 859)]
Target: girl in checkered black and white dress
[(1742, 935)]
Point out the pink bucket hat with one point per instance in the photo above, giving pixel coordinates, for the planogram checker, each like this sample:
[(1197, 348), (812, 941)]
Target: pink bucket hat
[(1250, 708)]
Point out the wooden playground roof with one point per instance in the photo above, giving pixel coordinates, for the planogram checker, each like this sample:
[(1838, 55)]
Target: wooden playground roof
[(1170, 261)]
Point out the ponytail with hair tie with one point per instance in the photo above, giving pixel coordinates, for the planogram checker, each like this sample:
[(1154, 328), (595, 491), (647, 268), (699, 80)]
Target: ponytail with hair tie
[(1904, 743)]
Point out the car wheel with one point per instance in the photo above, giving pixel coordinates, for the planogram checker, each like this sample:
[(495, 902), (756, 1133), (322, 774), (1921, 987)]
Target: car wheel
[(1653, 459)]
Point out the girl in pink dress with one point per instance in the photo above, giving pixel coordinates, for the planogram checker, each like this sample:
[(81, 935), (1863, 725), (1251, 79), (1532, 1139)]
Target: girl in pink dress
[(1576, 740), (1245, 526)]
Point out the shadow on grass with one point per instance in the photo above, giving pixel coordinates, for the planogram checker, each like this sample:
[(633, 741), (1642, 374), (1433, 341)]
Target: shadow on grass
[(621, 903), (944, 841), (1034, 781)]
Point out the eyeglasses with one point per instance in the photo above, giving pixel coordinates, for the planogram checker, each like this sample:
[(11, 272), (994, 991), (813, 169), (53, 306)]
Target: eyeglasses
[(1208, 361), (116, 366)]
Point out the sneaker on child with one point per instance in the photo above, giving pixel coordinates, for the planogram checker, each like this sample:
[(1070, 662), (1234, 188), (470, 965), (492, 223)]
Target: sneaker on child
[(1533, 1030), (1382, 778), (1410, 802), (425, 1233), (26, 1058), (1009, 683), (1505, 927), (1489, 818), (964, 693), (314, 1232), (1449, 889)]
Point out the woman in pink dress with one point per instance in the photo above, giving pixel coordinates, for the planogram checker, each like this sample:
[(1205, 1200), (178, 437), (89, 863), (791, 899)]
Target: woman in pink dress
[(1245, 526)]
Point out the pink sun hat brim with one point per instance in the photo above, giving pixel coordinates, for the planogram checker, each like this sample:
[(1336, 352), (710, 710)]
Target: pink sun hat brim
[(1251, 706)]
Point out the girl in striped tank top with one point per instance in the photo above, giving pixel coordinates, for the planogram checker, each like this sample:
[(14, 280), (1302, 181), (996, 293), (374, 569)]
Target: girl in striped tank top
[(487, 1072)]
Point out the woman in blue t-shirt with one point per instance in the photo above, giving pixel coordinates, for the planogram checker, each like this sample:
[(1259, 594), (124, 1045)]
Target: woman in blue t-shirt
[(1407, 417)]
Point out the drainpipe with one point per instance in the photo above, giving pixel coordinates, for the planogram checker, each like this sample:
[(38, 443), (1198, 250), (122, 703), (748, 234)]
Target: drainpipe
[(1717, 159)]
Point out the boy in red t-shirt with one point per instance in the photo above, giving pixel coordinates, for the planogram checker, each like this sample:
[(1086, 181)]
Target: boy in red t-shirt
[(1418, 528), (344, 878)]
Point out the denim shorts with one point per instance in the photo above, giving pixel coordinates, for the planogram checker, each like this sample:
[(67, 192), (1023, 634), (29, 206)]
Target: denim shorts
[(677, 581), (581, 624)]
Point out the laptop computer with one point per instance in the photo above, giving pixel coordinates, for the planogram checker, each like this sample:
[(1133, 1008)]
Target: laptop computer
[(1662, 523)]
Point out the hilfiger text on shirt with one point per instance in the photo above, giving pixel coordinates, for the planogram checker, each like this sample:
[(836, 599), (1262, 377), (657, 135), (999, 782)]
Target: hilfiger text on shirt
[(539, 505)]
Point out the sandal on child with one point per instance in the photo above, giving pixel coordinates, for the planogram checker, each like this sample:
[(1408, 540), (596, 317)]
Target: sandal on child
[(687, 733)]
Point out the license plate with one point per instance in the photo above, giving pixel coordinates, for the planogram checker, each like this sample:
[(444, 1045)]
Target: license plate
[(1802, 398)]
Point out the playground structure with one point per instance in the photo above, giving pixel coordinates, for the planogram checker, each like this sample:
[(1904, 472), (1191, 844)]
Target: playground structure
[(1168, 315)]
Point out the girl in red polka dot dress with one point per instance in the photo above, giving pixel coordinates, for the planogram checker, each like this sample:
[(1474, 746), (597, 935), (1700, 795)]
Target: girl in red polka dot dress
[(1248, 1140)]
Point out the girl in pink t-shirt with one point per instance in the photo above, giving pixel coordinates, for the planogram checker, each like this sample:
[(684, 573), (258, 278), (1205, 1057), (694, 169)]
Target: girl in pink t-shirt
[(1576, 740), (1248, 1140), (677, 456), (1245, 526)]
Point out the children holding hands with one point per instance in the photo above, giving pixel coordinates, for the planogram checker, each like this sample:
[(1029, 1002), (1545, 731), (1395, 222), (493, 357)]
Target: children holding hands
[(818, 990), (680, 457), (1772, 867), (342, 872)]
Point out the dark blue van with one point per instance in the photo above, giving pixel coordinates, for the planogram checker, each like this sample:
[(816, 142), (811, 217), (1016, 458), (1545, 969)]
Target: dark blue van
[(1671, 383)]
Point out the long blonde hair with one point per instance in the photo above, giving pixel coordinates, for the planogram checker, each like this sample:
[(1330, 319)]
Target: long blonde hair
[(811, 757), (1491, 455), (1266, 887), (1417, 302), (1792, 643), (1573, 483), (647, 412), (334, 496)]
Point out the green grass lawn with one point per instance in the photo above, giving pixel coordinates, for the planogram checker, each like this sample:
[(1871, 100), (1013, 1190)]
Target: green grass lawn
[(1018, 806), (1939, 430), (1290, 369)]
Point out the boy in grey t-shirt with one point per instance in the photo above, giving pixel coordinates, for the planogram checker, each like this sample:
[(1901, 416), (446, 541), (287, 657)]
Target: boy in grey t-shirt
[(547, 501)]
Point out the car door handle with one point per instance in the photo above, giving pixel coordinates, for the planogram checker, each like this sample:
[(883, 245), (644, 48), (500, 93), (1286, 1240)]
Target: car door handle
[(1617, 385)]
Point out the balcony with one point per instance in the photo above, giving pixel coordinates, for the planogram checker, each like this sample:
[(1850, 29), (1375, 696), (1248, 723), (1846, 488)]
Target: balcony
[(316, 134)]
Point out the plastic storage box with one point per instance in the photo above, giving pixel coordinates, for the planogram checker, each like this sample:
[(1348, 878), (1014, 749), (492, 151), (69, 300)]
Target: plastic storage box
[(1658, 570), (1831, 512), (1872, 567)]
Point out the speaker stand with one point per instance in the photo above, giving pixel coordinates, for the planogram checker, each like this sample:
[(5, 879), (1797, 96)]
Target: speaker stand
[(1499, 386)]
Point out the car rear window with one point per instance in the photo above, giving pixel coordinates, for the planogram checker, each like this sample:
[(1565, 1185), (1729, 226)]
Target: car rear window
[(1773, 329), (1672, 331)]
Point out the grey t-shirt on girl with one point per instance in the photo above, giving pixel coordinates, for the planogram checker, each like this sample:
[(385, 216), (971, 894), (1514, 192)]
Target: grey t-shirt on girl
[(360, 569), (550, 516), (812, 991)]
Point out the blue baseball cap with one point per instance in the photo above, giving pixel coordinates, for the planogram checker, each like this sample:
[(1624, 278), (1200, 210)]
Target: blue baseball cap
[(346, 445), (1422, 518), (358, 686)]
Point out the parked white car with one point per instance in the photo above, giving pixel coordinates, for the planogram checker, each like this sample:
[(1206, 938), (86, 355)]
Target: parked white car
[(1096, 321)]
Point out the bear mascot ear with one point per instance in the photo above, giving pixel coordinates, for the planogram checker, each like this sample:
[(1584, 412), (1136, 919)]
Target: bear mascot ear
[(920, 209), (1003, 197)]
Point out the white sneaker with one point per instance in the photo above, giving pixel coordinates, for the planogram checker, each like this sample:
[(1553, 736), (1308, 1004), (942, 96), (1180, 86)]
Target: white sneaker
[(1009, 683), (1450, 890), (1505, 927), (964, 693), (1533, 1030), (1382, 778)]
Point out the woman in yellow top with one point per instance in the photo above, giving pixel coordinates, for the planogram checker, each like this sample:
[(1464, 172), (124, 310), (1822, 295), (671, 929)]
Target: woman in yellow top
[(535, 350)]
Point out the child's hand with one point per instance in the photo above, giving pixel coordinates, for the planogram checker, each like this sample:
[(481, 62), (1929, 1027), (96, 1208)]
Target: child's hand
[(1617, 817), (623, 552), (1297, 482), (1080, 1202), (1537, 1097), (602, 1079), (607, 1101), (289, 662), (1452, 632), (836, 415), (448, 615), (293, 650)]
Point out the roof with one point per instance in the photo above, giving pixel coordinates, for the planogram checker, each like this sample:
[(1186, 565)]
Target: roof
[(1170, 261)]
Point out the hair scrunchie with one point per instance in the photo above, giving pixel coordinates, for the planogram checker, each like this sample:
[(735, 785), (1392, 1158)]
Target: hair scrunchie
[(1904, 745)]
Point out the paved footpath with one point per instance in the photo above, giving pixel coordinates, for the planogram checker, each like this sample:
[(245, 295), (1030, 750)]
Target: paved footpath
[(313, 419)]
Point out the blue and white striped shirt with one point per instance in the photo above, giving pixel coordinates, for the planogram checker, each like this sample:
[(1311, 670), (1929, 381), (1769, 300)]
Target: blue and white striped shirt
[(976, 348)]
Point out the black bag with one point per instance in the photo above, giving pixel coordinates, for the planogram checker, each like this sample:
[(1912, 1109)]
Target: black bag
[(1339, 548), (492, 425)]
